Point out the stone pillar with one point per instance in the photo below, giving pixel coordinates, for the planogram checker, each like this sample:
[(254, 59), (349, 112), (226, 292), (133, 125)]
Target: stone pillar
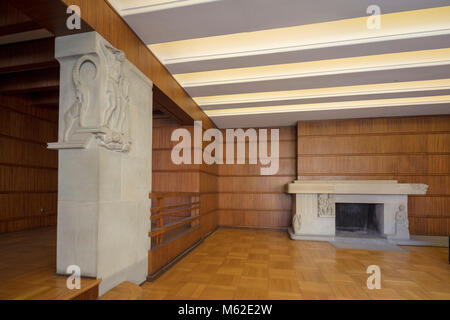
[(105, 125)]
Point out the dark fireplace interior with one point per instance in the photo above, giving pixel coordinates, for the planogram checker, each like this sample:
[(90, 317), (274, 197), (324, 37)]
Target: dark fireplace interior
[(359, 219)]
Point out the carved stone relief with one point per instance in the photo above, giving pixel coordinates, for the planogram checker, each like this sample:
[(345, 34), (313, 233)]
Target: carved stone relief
[(326, 205), (297, 222), (401, 221), (102, 103)]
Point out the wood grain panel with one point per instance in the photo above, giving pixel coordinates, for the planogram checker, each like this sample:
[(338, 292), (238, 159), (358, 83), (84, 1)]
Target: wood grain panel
[(255, 201), (375, 164), (248, 199), (285, 133), (271, 219), (22, 152), (30, 81), (429, 226), (163, 161), (208, 182), (407, 149), (168, 177), (286, 148), (28, 170), (261, 184), (386, 126), (28, 55), (22, 107), (173, 181), (159, 257), (398, 144), (286, 168)]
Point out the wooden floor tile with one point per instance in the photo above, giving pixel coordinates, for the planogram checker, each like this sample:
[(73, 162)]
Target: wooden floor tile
[(256, 264)]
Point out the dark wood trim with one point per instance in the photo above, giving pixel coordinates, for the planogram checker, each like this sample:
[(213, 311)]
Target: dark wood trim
[(30, 81), (28, 55), (19, 28), (170, 108), (27, 192), (54, 214), (27, 166), (2, 105), (23, 140)]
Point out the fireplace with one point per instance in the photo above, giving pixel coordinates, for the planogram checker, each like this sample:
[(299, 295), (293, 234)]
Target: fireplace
[(365, 219), (326, 209)]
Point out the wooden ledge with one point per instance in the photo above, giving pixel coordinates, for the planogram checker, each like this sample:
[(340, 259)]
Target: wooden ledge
[(87, 292)]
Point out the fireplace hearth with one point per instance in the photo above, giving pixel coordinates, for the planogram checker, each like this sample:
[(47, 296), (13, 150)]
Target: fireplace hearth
[(365, 219)]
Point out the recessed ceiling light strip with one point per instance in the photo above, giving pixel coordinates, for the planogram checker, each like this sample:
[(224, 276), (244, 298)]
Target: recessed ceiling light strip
[(331, 106)]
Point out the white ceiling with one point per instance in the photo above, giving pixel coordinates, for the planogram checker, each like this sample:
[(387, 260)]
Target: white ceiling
[(251, 63)]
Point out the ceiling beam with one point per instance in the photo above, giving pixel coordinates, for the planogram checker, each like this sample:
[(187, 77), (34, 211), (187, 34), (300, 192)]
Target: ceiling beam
[(30, 81), (44, 99), (49, 14), (101, 17), (29, 55), (13, 21), (170, 108), (18, 28)]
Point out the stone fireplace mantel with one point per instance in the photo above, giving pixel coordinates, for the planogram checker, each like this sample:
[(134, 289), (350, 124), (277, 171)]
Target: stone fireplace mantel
[(315, 201)]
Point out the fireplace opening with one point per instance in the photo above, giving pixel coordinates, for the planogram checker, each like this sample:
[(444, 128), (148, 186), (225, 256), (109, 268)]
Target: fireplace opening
[(365, 219)]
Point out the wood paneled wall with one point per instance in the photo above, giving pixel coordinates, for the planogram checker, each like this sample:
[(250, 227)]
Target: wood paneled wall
[(407, 149), (248, 199), (28, 170), (168, 177)]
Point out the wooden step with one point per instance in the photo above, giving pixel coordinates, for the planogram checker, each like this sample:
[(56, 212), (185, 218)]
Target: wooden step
[(87, 292), (124, 291)]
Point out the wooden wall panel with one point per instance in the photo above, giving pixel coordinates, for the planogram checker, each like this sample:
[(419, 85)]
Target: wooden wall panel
[(375, 164), (270, 219), (168, 177), (286, 169), (248, 199), (407, 149), (28, 170), (254, 201)]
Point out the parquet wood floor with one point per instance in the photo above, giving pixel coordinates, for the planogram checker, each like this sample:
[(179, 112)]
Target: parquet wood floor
[(243, 264), (255, 264), (28, 266)]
